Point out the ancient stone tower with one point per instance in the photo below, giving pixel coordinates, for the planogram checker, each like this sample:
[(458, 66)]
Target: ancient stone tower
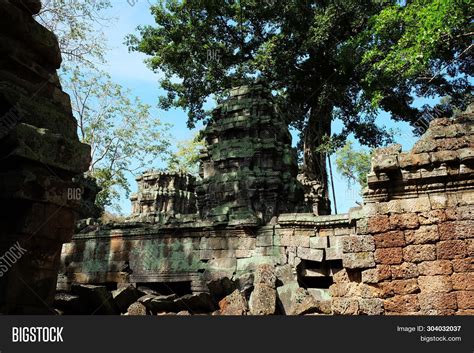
[(249, 167)]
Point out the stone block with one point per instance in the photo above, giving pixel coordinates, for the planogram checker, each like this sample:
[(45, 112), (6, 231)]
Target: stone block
[(310, 254), (404, 271), (340, 276), (333, 254), (125, 296), (435, 284), (214, 243), (250, 264), (378, 224), (265, 274), (246, 243), (451, 249), (364, 290), (339, 232), (432, 217), (438, 267), (402, 304), (354, 244), (233, 304), (385, 272), (370, 276), (285, 274), (465, 299), (419, 204), (463, 265), (390, 239), (286, 295), (243, 253), (437, 301), (358, 260), (423, 235), (456, 230), (262, 300), (438, 201), (345, 306), (399, 286), (137, 309), (318, 242), (326, 232), (389, 256), (384, 163), (419, 253), (463, 281), (404, 221), (301, 241), (371, 306), (287, 240), (342, 289), (264, 240)]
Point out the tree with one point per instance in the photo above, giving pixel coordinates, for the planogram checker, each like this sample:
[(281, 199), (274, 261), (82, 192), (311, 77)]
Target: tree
[(186, 157), (420, 49), (353, 165), (77, 24), (124, 136), (312, 54)]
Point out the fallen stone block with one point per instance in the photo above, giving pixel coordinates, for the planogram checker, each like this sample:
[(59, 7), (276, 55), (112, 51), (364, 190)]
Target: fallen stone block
[(137, 309), (233, 304), (159, 303), (195, 303), (262, 300), (125, 296), (265, 274), (219, 288), (99, 299)]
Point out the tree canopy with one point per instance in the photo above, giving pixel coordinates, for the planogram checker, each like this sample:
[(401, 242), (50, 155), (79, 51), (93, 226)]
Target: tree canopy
[(323, 60)]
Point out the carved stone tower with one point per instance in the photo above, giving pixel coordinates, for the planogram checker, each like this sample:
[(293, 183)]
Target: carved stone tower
[(249, 168)]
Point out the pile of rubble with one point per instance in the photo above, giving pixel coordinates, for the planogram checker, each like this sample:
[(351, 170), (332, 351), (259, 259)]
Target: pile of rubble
[(270, 291)]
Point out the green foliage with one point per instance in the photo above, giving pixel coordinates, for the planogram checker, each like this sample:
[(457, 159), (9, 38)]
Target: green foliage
[(421, 48), (124, 136), (353, 165), (324, 60), (186, 157), (76, 24), (204, 48)]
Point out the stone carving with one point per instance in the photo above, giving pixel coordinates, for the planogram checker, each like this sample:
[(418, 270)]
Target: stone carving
[(40, 154), (163, 194)]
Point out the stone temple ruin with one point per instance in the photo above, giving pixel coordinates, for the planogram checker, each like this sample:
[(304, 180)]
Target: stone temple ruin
[(252, 245), (249, 236)]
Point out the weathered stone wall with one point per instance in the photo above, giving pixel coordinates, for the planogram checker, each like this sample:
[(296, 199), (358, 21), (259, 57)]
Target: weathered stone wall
[(199, 253), (40, 154), (407, 250), (413, 253)]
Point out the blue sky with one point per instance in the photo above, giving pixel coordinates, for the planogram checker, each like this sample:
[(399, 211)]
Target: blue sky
[(129, 70)]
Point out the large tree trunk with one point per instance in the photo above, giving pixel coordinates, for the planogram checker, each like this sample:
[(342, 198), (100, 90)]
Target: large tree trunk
[(318, 126)]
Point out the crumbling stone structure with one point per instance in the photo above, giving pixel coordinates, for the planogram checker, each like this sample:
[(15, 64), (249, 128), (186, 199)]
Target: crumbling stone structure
[(163, 194), (40, 154), (407, 250), (413, 252), (249, 167)]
